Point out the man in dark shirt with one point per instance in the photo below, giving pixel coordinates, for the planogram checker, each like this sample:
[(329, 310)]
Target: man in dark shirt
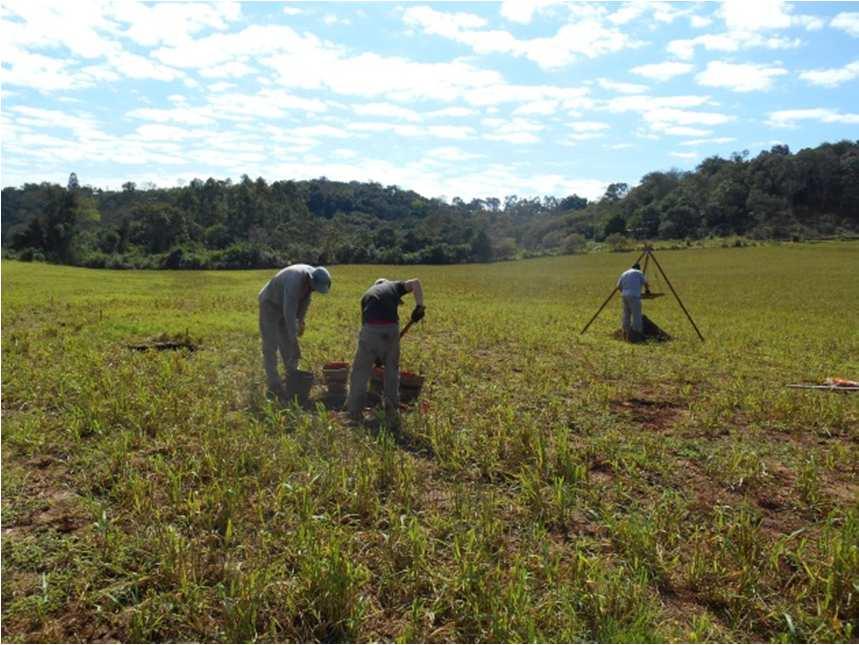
[(379, 339)]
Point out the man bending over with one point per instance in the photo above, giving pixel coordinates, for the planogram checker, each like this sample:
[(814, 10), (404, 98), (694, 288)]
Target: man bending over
[(379, 340)]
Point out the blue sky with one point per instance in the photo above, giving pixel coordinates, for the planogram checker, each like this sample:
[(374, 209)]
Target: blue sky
[(447, 98)]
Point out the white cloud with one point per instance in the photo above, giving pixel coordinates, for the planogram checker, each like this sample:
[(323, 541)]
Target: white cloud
[(171, 23), (747, 24), (585, 130), (371, 75), (751, 16), (155, 132), (289, 10), (700, 21), (810, 23), (513, 137), (81, 123), (621, 146), (588, 37), (53, 74), (253, 41), (496, 94), (140, 67), (790, 118), (43, 73), (235, 107), (647, 103), (221, 86), (183, 115), (387, 109), (739, 77), (516, 130), (522, 11), (234, 69), (847, 21), (628, 12), (680, 130), (440, 23), (333, 19), (662, 71), (40, 25), (712, 140), (588, 126), (744, 16), (450, 131), (450, 153), (832, 77), (622, 88), (669, 116), (320, 131), (666, 115), (264, 104), (546, 106), (363, 128), (451, 112), (729, 42), (91, 32), (283, 50), (667, 12), (685, 155)]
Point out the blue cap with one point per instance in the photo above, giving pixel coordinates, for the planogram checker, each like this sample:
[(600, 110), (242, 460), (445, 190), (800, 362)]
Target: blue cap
[(321, 280)]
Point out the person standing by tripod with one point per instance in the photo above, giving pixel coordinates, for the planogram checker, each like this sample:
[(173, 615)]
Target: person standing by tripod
[(630, 284)]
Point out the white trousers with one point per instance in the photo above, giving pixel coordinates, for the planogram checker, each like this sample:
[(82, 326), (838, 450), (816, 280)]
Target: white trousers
[(376, 342), (631, 317), (272, 331)]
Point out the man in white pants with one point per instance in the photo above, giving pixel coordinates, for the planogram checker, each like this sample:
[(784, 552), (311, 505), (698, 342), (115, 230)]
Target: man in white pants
[(379, 340), (283, 304), (630, 283)]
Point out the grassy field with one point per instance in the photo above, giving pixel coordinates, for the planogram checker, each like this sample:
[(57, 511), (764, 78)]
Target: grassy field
[(549, 487)]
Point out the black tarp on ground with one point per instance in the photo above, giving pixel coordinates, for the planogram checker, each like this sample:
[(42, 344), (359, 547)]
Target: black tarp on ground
[(650, 331)]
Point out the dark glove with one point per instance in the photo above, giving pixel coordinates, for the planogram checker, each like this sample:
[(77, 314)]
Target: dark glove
[(418, 313)]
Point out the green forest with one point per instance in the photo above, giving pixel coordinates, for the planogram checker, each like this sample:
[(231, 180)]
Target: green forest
[(221, 224)]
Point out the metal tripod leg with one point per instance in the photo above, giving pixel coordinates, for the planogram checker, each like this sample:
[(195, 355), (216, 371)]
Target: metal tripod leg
[(680, 302)]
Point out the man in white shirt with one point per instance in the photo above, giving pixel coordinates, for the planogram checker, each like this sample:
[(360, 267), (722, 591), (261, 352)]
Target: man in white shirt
[(630, 283)]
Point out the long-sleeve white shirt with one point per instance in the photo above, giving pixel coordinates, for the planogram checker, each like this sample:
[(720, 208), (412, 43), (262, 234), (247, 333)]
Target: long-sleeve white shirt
[(290, 289)]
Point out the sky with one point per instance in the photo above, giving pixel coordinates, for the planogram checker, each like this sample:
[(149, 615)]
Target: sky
[(450, 99)]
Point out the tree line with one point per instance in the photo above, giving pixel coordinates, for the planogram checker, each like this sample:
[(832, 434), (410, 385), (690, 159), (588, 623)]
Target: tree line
[(256, 224)]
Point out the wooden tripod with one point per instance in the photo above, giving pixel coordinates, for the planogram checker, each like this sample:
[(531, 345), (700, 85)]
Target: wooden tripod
[(648, 254)]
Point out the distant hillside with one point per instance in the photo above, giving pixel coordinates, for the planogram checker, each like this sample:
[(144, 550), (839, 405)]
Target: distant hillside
[(254, 224)]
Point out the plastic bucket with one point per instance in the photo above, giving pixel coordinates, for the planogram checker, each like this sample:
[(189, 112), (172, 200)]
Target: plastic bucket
[(298, 385), (410, 384), (333, 400), (335, 376)]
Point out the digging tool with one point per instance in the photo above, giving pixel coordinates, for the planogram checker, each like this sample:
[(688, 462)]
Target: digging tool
[(406, 328)]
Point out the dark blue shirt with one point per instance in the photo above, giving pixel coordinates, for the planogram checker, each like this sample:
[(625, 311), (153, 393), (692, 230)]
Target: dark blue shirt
[(379, 303)]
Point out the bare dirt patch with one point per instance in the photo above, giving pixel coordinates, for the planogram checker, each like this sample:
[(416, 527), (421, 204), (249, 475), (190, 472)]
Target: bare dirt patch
[(652, 413), (45, 500)]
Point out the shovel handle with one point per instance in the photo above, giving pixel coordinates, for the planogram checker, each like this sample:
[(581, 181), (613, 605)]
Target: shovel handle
[(406, 328)]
